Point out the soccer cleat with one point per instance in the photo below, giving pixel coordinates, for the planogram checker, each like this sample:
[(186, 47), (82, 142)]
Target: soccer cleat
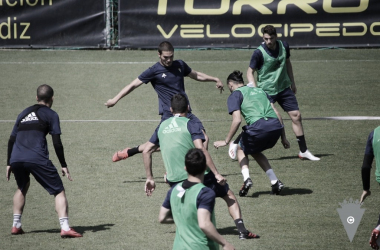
[(16, 230), (277, 187), (246, 186), (70, 234), (232, 150), (374, 238), (308, 155), (248, 235), (120, 155)]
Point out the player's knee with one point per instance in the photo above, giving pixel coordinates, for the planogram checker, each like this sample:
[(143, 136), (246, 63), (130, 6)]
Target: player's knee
[(295, 116)]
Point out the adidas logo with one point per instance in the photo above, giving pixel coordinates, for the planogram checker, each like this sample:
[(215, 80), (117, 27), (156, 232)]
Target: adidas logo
[(31, 117), (173, 127)]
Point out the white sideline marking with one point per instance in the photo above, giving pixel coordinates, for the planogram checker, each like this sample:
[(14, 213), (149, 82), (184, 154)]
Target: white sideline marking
[(345, 118), (340, 118), (189, 62)]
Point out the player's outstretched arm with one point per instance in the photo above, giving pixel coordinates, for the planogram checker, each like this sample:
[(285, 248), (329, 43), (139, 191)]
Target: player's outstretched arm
[(147, 157), (250, 77), (209, 162), (236, 121), (202, 77), (209, 229), (366, 171), (125, 91), (284, 141), (289, 69), (165, 216)]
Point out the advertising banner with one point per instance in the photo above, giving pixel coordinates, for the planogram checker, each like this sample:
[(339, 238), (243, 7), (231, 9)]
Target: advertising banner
[(238, 23), (52, 23)]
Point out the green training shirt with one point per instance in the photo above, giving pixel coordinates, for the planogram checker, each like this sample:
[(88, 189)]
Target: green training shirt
[(188, 235), (376, 151), (273, 77), (256, 105), (175, 141)]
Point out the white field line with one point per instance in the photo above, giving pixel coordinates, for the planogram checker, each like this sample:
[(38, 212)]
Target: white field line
[(339, 118), (189, 62)]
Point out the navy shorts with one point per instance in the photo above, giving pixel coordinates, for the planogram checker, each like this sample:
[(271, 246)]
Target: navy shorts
[(154, 138), (210, 182), (253, 144), (286, 99), (47, 176)]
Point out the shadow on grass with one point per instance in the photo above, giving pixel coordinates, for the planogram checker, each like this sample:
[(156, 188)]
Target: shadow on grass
[(285, 192), (228, 231), (79, 229), (296, 157)]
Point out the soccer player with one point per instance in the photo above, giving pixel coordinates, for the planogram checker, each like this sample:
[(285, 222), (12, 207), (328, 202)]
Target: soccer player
[(175, 136), (167, 79), (28, 154), (191, 204), (372, 151), (275, 76), (264, 127)]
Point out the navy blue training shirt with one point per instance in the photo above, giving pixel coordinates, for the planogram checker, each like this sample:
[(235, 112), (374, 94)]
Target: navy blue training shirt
[(31, 145), (166, 81)]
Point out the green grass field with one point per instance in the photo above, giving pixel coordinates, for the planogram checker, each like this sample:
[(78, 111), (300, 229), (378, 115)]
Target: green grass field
[(107, 200)]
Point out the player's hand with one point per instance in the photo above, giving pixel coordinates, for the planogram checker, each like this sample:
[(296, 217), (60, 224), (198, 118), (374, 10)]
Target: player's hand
[(285, 143), (220, 179), (110, 103), (65, 171), (150, 185), (9, 171), (218, 144), (294, 88), (365, 194), (219, 85), (228, 246), (374, 237)]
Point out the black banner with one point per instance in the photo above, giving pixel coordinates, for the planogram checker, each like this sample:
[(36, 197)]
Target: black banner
[(238, 23), (52, 23)]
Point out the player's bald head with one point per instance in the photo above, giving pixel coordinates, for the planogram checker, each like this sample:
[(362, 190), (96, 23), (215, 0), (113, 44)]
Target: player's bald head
[(45, 93)]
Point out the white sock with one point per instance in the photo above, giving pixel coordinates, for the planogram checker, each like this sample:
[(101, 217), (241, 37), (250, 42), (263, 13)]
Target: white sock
[(64, 221), (245, 173), (17, 220), (272, 176)]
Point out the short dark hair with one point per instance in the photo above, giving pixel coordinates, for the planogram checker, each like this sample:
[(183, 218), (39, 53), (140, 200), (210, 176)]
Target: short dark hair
[(270, 30), (195, 161), (179, 103), (236, 76), (44, 93), (165, 46)]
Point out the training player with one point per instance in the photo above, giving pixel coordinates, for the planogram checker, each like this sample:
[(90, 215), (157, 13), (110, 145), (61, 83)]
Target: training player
[(191, 205), (372, 151), (167, 79), (28, 154), (264, 128), (275, 76), (175, 136)]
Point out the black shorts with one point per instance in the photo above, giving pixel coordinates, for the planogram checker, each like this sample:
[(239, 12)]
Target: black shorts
[(286, 99), (253, 144), (210, 182), (47, 176)]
